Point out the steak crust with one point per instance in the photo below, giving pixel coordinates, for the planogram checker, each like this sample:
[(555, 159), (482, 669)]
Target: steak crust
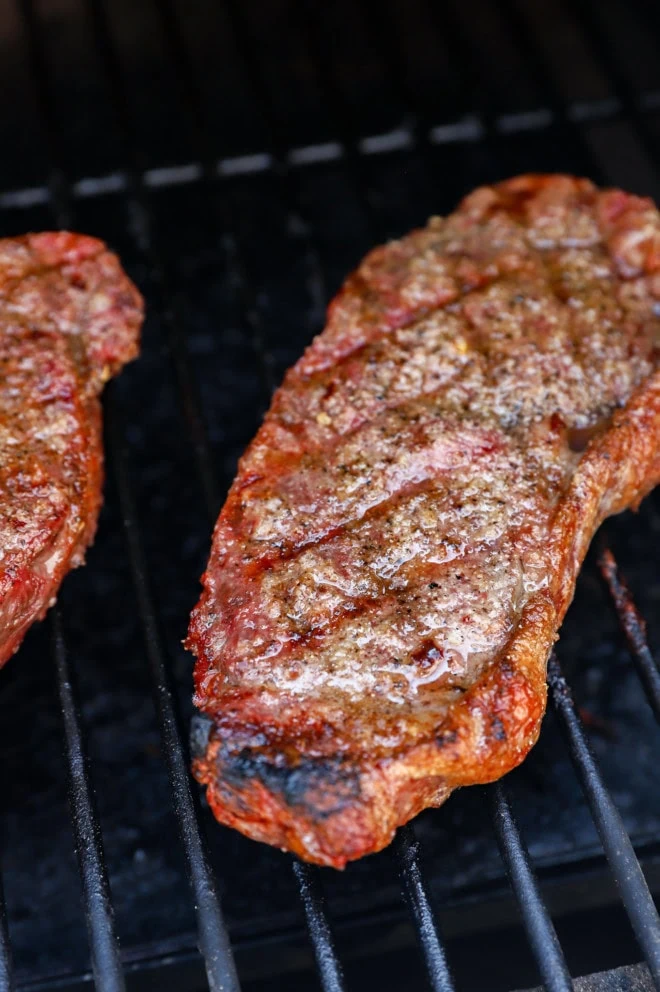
[(402, 540), (69, 320)]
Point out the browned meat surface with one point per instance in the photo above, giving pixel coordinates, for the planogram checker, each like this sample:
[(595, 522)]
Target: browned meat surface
[(69, 319), (401, 543)]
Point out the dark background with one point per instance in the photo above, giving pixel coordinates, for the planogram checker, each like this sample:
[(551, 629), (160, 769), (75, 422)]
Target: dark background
[(242, 157)]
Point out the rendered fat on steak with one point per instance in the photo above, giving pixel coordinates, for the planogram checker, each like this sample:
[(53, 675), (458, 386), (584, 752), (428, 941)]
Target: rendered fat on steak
[(69, 319), (402, 540)]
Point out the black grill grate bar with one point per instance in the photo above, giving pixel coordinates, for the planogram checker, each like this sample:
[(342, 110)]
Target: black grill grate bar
[(536, 920), (633, 625), (618, 847), (468, 129), (405, 848), (213, 937), (191, 408), (313, 900), (104, 948), (7, 983)]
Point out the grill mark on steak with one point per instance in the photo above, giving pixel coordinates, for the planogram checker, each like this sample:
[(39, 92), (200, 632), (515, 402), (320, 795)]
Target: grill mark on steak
[(360, 476), (69, 320), (396, 555), (540, 341), (428, 527)]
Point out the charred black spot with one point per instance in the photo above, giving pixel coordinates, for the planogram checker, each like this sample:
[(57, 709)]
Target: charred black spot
[(321, 787), (200, 730)]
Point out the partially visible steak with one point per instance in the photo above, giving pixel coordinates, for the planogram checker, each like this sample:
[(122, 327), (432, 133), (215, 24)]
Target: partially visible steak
[(402, 540), (69, 319)]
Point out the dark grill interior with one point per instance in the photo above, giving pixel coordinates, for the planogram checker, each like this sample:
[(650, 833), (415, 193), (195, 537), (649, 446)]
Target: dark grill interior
[(241, 157)]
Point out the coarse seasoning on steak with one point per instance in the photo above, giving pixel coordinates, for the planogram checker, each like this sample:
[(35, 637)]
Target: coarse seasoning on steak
[(402, 540), (69, 319)]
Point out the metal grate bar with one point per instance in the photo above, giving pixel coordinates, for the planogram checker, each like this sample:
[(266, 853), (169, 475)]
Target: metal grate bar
[(634, 628), (313, 900), (536, 920), (467, 129), (213, 937), (405, 848), (7, 983), (104, 949), (617, 844)]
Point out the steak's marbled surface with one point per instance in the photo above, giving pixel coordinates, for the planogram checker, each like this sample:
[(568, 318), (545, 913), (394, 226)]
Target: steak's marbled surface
[(401, 542), (69, 319)]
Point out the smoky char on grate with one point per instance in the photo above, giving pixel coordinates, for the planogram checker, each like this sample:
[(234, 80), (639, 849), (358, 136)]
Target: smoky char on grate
[(70, 320), (402, 540)]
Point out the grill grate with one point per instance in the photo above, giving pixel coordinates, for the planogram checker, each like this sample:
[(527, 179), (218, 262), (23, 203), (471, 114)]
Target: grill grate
[(540, 931), (104, 950), (6, 966), (406, 851), (213, 938), (633, 625), (618, 848), (285, 165)]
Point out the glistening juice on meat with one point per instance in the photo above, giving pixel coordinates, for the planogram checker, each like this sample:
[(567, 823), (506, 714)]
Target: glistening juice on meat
[(401, 542)]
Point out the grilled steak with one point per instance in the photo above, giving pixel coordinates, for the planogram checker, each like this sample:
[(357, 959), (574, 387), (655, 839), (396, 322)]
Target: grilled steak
[(69, 319), (402, 540)]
